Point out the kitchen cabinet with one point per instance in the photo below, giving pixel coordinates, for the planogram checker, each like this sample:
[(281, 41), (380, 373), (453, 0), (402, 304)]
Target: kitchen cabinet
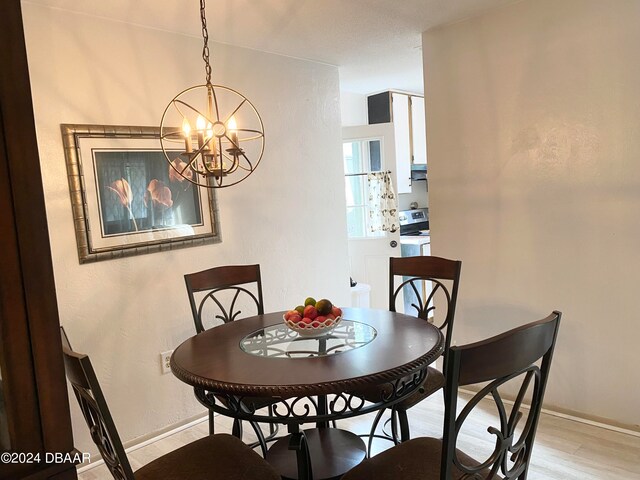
[(418, 131), (407, 114), (401, 123)]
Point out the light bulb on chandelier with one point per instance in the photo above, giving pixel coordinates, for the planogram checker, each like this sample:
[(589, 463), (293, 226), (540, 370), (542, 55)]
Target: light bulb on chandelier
[(227, 143)]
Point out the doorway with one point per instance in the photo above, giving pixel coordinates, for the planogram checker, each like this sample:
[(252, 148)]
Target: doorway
[(368, 149)]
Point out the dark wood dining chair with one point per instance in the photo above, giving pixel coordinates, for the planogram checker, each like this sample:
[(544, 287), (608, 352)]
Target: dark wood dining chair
[(430, 290), (223, 294), (214, 457), (219, 294), (519, 358)]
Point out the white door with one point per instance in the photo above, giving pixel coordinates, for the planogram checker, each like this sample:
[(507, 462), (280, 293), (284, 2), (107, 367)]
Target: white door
[(368, 148)]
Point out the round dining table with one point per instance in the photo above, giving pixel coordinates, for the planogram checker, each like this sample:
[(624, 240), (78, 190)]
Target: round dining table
[(235, 366)]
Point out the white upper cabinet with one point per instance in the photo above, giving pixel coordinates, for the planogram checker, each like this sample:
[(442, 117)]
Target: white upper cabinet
[(418, 131), (408, 116), (401, 127)]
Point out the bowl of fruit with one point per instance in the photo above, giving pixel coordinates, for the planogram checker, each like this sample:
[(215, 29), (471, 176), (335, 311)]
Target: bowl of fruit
[(313, 319)]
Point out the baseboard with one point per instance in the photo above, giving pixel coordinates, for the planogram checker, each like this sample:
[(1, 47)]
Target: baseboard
[(150, 438), (633, 430), (606, 423)]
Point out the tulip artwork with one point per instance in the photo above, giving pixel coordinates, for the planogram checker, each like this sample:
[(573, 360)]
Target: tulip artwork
[(131, 202), (123, 190), (157, 197), (153, 194), (178, 165), (158, 193)]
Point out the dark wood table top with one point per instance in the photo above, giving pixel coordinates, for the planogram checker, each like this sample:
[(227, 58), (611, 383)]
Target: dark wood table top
[(213, 359)]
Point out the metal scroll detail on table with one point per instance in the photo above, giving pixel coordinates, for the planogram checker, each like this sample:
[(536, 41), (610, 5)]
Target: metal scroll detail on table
[(280, 341), (302, 409)]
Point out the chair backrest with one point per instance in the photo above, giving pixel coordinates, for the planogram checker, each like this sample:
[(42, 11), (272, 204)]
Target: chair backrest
[(95, 411), (511, 359), (220, 284), (425, 281)]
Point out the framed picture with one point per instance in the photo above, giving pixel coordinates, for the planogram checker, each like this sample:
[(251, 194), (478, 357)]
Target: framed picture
[(127, 200)]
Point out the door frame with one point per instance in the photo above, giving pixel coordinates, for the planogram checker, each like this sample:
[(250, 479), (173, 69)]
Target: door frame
[(362, 269), (35, 388)]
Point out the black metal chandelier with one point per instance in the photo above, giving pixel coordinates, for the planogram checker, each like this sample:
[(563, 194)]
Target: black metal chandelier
[(211, 135)]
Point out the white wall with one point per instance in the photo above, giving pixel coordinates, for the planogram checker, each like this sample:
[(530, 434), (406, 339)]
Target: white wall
[(419, 194), (353, 108), (288, 216), (535, 184)]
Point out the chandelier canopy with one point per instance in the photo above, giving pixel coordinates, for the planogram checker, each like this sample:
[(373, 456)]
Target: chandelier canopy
[(211, 135)]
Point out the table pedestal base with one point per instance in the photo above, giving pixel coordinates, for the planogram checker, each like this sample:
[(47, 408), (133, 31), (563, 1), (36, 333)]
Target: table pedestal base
[(333, 453)]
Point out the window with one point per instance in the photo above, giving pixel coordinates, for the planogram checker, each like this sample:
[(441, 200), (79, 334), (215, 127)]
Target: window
[(360, 157)]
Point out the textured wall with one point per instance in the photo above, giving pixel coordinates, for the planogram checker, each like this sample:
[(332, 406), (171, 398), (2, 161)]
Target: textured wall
[(535, 184), (288, 216), (353, 108)]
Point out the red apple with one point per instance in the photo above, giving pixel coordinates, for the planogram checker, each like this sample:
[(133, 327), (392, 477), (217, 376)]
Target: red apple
[(331, 316), (287, 316), (304, 322), (295, 318), (336, 312), (315, 324), (310, 312), (321, 319)]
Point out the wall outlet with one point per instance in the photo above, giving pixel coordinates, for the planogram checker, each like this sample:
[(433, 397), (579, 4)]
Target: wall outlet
[(165, 361)]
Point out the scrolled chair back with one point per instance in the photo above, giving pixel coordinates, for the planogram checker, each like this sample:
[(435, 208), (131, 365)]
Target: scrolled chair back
[(94, 409), (520, 359), (223, 294), (430, 289)]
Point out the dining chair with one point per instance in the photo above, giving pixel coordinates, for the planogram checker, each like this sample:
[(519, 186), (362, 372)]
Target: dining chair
[(214, 457), (515, 361), (222, 294), (429, 287)]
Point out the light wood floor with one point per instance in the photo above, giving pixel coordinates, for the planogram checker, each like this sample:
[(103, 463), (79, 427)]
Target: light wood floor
[(564, 449)]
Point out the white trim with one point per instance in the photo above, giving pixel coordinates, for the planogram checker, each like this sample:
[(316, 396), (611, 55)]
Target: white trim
[(149, 441), (567, 416), (594, 423)]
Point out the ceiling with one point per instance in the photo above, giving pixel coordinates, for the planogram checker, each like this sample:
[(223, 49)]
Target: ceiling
[(376, 43)]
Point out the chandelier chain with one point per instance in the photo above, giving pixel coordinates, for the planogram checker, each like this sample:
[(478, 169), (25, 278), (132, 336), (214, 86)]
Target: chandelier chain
[(213, 155), (205, 37)]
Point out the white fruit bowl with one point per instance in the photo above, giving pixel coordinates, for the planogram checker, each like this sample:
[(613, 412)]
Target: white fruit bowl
[(313, 329)]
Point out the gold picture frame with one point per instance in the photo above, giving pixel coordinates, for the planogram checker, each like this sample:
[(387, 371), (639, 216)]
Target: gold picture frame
[(125, 198)]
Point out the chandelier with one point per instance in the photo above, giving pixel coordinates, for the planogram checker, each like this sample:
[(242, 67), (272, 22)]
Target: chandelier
[(211, 135)]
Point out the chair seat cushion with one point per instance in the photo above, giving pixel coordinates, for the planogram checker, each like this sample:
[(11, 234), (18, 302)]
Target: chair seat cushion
[(216, 457), (417, 459), (432, 383)]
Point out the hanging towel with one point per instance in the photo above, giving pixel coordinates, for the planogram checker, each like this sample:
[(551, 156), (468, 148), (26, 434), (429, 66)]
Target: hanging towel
[(383, 208)]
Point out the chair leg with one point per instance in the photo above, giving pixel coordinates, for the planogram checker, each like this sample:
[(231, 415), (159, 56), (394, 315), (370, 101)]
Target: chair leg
[(403, 419), (274, 428), (373, 430), (211, 424), (394, 426), (261, 440), (236, 431)]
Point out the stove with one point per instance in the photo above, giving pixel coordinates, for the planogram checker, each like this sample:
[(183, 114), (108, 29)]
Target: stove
[(414, 222)]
